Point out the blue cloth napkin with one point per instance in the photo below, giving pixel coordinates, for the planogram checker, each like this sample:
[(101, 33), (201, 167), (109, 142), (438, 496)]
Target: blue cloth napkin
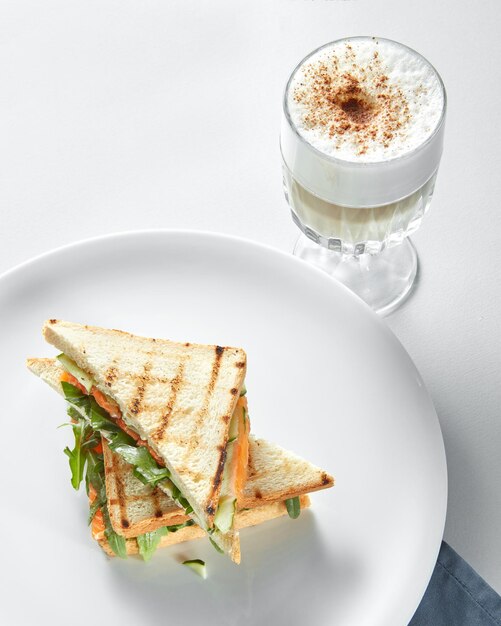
[(457, 596)]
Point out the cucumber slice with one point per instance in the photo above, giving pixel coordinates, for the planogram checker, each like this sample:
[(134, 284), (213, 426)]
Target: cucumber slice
[(243, 390), (72, 368), (225, 513), (198, 566), (233, 431)]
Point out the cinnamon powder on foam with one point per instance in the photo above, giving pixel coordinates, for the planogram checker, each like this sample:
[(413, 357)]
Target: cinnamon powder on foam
[(359, 104)]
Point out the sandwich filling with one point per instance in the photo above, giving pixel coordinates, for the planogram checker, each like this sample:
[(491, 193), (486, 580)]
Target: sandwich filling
[(99, 517), (92, 409)]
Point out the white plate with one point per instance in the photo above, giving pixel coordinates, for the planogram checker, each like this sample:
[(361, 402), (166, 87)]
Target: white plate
[(326, 379)]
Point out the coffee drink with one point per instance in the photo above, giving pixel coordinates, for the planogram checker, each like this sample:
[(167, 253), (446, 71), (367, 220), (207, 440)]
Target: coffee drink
[(361, 141)]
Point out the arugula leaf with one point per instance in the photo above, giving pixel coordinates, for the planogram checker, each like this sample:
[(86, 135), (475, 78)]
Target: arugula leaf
[(175, 494), (92, 441), (293, 507), (146, 469), (86, 438), (138, 456), (151, 475), (76, 466), (117, 543), (73, 395), (99, 419), (77, 456), (95, 471), (175, 527), (73, 413), (148, 542)]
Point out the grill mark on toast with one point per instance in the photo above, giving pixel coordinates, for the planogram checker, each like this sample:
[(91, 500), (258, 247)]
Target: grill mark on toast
[(156, 500), (192, 443), (122, 498), (325, 478), (251, 470), (135, 405), (210, 508), (175, 385), (216, 366), (195, 476), (110, 376)]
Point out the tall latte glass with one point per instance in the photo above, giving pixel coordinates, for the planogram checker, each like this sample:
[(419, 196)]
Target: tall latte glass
[(361, 141)]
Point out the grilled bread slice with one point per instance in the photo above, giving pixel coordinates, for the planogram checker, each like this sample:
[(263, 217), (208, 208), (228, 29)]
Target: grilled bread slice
[(135, 508), (179, 397), (48, 370), (276, 475)]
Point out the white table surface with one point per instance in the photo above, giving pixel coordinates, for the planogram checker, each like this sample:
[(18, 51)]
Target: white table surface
[(119, 115)]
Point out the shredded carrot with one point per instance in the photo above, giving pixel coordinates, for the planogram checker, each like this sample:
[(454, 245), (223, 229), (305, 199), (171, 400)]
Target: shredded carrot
[(92, 493), (126, 429), (98, 449), (97, 526), (106, 403), (242, 448)]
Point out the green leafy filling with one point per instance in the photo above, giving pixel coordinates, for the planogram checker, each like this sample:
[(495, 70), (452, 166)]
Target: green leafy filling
[(148, 542), (95, 477), (89, 421), (77, 456), (146, 469)]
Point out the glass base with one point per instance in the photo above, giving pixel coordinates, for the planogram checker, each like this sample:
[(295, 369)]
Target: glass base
[(384, 281)]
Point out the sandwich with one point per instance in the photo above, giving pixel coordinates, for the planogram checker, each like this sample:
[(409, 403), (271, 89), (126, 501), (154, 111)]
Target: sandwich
[(176, 413)]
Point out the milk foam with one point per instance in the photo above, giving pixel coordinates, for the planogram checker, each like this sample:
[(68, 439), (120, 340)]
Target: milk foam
[(410, 87)]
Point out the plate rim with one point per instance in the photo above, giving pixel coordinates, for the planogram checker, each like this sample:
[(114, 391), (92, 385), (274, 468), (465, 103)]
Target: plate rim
[(130, 234)]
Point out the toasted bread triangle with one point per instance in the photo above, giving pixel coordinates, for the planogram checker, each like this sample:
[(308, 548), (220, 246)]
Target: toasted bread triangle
[(178, 397), (276, 475), (50, 372)]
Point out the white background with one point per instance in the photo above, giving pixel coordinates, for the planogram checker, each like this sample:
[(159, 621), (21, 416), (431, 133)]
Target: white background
[(117, 115)]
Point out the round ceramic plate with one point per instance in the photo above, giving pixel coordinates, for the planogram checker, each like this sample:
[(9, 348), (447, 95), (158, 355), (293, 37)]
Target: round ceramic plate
[(326, 379)]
